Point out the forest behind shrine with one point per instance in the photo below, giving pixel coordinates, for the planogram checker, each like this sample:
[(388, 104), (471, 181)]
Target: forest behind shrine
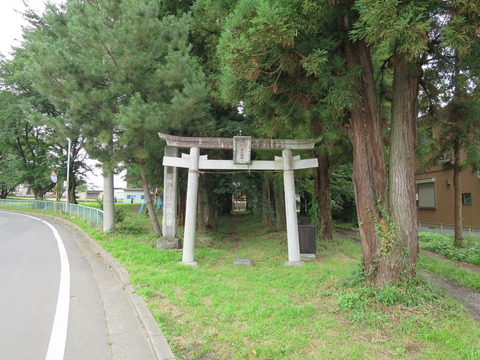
[(368, 78)]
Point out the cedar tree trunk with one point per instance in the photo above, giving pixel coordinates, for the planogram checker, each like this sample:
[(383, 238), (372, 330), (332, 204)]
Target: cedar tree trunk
[(457, 185), (279, 199), (201, 203), (399, 252), (322, 191), (369, 168), (148, 198)]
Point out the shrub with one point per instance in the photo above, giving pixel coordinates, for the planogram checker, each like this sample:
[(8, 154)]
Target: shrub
[(443, 245), (131, 228), (120, 214)]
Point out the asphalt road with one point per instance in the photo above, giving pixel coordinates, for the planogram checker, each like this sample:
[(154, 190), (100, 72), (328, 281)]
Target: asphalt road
[(30, 269), (60, 300)]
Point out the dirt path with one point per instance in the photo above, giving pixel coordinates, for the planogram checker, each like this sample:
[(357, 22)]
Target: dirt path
[(232, 232), (464, 295), (469, 298)]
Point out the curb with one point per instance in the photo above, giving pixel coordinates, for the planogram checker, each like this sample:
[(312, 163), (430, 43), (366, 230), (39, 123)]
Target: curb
[(155, 336)]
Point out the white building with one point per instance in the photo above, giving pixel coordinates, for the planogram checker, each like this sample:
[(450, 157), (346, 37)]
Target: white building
[(134, 195)]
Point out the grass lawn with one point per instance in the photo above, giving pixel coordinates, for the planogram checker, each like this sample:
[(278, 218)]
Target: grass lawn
[(269, 311)]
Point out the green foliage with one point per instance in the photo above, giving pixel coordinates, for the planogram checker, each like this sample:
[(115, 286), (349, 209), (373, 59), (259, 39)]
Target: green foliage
[(366, 304), (342, 194), (10, 175), (121, 71), (99, 203), (402, 26), (443, 245), (131, 228), (131, 223), (126, 73), (274, 60), (120, 214), (33, 132)]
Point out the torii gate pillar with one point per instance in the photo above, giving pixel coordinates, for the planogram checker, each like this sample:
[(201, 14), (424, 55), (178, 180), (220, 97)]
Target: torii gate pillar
[(191, 209), (291, 210)]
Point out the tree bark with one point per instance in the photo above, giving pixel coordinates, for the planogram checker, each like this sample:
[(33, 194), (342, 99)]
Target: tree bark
[(201, 203), (457, 185), (322, 191), (279, 198), (182, 203), (209, 211), (148, 199), (369, 168), (72, 185), (266, 207), (39, 193), (400, 256)]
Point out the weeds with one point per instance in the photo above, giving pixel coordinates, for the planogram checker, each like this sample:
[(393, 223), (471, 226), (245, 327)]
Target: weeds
[(322, 310), (443, 245), (451, 271)]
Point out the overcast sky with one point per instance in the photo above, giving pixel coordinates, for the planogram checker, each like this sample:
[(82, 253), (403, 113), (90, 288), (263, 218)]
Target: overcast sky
[(11, 23)]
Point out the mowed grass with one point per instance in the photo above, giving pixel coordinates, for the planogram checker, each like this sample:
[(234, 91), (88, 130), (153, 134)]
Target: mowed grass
[(270, 311)]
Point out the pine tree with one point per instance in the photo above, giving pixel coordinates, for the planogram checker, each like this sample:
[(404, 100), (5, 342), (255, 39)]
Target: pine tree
[(124, 71)]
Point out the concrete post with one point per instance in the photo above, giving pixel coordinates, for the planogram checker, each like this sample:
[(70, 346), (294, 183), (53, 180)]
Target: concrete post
[(108, 203), (191, 209), (291, 210), (169, 238)]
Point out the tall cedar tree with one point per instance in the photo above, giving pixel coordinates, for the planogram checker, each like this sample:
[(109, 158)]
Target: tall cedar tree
[(269, 65), (346, 33)]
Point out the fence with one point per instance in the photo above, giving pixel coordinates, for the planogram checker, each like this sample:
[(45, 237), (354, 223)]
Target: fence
[(447, 229), (92, 215)]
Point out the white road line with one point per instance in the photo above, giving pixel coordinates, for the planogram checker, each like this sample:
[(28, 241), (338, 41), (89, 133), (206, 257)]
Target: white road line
[(58, 336)]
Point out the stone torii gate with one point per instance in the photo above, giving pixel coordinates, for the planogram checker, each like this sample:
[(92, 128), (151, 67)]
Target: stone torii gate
[(241, 146)]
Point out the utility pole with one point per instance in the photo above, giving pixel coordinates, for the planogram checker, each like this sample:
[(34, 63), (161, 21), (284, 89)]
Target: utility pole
[(68, 175)]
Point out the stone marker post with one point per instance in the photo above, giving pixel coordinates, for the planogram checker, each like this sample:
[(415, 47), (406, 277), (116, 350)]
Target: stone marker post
[(169, 238)]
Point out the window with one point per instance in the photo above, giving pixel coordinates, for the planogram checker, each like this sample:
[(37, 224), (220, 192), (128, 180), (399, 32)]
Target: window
[(467, 199), (426, 195), (142, 197)]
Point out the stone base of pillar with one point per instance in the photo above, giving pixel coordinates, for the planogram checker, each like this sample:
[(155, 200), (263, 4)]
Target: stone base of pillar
[(168, 243), (189, 263), (294, 263)]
